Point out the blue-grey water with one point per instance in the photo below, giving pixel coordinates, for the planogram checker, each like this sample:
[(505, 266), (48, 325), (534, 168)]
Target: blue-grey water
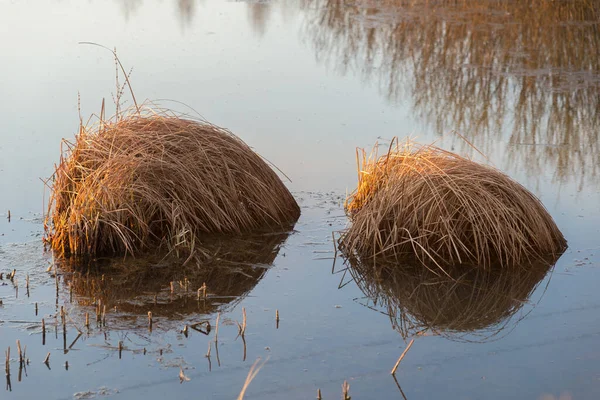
[(305, 83)]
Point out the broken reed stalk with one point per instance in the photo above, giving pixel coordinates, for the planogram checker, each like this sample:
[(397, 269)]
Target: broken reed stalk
[(43, 331), (47, 359), (243, 330), (182, 377), (149, 179), (120, 348), (79, 331), (20, 352), (7, 362), (217, 327), (422, 202), (254, 369), (319, 394), (150, 320), (346, 391), (208, 351), (402, 356), (98, 313)]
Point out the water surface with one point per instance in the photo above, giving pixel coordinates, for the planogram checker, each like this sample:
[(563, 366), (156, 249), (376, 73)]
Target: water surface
[(304, 83)]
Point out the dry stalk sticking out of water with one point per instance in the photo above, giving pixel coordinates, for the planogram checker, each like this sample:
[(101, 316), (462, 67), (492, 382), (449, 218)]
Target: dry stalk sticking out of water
[(402, 356), (7, 363), (346, 391), (254, 369), (217, 328), (420, 201)]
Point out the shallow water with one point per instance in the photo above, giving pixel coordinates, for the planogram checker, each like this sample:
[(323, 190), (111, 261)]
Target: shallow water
[(304, 83)]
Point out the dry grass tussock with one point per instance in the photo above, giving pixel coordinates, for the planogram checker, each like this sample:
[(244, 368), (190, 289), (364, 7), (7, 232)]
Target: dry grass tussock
[(421, 202), (467, 303), (149, 178)]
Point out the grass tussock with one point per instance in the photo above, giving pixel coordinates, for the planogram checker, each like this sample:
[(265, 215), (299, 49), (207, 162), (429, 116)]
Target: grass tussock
[(423, 202), (475, 301), (149, 179)]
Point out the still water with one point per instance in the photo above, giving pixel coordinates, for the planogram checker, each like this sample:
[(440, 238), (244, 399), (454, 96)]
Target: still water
[(304, 83)]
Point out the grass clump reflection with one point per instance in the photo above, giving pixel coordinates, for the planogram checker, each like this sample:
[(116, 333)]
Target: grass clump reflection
[(169, 288), (465, 303)]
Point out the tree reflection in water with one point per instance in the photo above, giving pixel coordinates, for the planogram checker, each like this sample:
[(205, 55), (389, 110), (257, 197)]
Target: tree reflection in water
[(523, 73)]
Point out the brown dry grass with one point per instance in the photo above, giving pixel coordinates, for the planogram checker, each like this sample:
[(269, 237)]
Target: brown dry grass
[(469, 299), (425, 202), (149, 179)]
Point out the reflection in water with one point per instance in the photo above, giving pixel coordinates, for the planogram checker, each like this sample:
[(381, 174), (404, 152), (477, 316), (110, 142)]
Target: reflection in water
[(129, 7), (469, 303), (230, 269), (527, 68), (259, 13), (186, 9)]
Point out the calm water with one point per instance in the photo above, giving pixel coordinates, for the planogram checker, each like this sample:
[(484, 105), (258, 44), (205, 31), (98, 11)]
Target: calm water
[(304, 83)]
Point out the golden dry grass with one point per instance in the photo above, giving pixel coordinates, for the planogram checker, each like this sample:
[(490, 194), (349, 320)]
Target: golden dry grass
[(149, 179), (468, 299), (442, 209)]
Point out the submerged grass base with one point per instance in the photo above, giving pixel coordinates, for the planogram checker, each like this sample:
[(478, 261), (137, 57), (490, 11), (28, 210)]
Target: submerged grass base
[(424, 203), (151, 179)]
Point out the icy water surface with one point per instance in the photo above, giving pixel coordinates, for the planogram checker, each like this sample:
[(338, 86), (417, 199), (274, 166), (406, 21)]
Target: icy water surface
[(305, 83)]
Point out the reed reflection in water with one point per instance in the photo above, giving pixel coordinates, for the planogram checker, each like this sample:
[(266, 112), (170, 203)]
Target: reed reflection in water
[(186, 9), (526, 73), (467, 303), (229, 270)]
